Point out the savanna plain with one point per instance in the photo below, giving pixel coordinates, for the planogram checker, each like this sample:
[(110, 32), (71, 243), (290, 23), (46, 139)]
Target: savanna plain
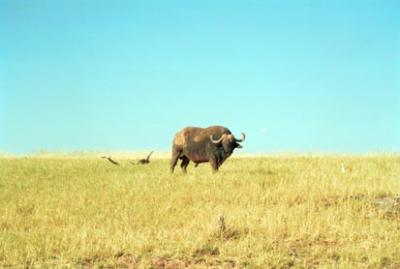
[(286, 211)]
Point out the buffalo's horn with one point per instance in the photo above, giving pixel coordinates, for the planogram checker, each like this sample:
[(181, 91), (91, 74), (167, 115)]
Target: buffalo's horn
[(242, 138), (218, 140)]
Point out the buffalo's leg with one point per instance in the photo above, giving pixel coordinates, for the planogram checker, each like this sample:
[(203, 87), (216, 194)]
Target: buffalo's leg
[(174, 159), (214, 164), (184, 164)]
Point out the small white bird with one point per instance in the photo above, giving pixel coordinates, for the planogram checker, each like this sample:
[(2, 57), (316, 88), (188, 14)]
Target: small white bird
[(342, 168)]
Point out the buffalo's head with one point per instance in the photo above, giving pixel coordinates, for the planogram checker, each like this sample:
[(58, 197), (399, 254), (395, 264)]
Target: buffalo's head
[(228, 142)]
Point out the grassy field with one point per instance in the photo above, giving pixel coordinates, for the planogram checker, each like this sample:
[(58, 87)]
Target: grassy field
[(264, 212)]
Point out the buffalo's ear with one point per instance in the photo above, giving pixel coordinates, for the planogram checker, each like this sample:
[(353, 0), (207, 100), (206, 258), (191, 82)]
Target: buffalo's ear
[(239, 146)]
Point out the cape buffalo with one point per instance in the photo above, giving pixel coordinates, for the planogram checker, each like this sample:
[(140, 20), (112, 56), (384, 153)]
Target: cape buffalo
[(213, 144)]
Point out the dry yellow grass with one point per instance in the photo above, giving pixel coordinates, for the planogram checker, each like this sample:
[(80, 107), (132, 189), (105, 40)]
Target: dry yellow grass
[(278, 212)]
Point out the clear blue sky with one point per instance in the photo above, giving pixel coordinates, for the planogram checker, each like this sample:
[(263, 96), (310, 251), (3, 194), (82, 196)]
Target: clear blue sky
[(298, 76)]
